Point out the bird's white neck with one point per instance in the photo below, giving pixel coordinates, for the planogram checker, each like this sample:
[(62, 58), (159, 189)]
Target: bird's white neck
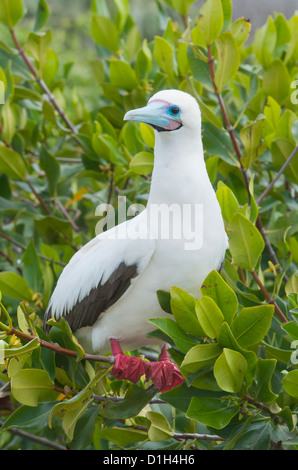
[(179, 174)]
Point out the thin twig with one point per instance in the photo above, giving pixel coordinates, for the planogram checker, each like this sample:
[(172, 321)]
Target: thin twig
[(230, 129), (41, 83), (270, 186), (23, 247), (67, 216), (185, 436), (268, 297), (41, 202), (31, 437), (227, 120), (59, 349)]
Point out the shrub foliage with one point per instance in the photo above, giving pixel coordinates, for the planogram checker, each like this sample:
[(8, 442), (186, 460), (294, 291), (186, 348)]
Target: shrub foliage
[(59, 159)]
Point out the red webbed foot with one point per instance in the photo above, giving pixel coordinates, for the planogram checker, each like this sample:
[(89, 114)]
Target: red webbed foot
[(164, 374), (126, 367)]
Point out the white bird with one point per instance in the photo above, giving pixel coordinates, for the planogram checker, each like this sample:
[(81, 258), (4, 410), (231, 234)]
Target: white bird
[(108, 290)]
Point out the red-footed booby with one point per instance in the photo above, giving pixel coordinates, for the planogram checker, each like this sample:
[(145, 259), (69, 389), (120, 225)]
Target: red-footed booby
[(108, 290)]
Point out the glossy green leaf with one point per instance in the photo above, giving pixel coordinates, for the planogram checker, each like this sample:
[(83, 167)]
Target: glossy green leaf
[(15, 286), (290, 383), (142, 163), (215, 287), (11, 12), (122, 75), (276, 81), (31, 386), (28, 418), (11, 163), (182, 340), (104, 32), (211, 20), (264, 372), (214, 412), (229, 370), (252, 324), (209, 315), (201, 356), (135, 400), (245, 242), (42, 15), (183, 307), (227, 59), (159, 428), (240, 30)]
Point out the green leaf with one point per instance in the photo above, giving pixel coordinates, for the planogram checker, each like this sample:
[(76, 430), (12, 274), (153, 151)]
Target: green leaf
[(210, 21), (42, 15), (252, 324), (226, 339), (264, 372), (30, 386), (276, 81), (54, 230), (183, 307), (31, 267), (29, 419), (181, 6), (11, 163), (14, 286), (240, 30), (245, 242), (122, 75), (227, 59), (182, 340), (200, 357), (71, 410), (11, 12), (164, 56), (209, 315), (215, 287), (51, 168), (264, 42), (9, 121), (142, 163), (227, 201), (214, 412), (135, 400), (38, 44), (281, 149), (251, 138), (229, 370), (290, 383), (159, 428), (104, 32)]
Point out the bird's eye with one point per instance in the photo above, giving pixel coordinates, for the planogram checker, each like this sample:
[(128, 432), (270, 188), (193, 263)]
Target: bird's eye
[(174, 110)]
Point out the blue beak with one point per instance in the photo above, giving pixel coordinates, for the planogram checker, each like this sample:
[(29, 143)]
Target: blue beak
[(156, 115)]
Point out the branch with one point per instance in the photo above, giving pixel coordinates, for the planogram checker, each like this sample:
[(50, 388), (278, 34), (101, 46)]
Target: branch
[(59, 349), (227, 120), (31, 437), (41, 83), (186, 436), (41, 202), (268, 297), (230, 129), (285, 165), (23, 247)]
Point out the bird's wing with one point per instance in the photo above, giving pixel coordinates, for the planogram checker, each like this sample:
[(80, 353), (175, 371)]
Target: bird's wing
[(98, 275)]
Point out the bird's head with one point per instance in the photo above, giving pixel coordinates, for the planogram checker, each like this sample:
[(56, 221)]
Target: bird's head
[(169, 111)]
